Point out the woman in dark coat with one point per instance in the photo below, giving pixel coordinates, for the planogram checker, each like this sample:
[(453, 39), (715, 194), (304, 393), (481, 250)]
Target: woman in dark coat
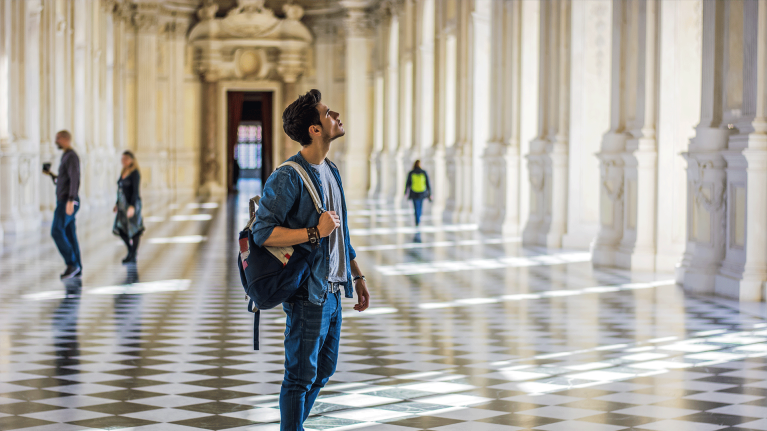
[(418, 189), (129, 225)]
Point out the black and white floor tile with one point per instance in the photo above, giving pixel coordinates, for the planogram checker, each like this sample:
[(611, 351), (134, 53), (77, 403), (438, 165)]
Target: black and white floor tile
[(467, 332)]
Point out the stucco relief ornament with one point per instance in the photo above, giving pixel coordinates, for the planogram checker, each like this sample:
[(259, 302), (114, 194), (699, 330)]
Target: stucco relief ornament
[(537, 177), (249, 19), (24, 170), (612, 179), (494, 173), (273, 47), (708, 194)]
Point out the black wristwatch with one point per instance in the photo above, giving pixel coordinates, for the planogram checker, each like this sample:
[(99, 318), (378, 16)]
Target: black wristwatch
[(314, 236), (354, 280)]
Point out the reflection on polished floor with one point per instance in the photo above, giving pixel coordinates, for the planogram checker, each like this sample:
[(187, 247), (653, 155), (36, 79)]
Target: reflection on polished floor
[(467, 332)]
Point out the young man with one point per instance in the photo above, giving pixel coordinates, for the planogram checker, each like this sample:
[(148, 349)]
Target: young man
[(67, 203), (287, 217)]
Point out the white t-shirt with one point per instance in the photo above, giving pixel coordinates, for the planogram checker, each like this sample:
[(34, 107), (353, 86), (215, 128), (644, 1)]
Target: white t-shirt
[(334, 202)]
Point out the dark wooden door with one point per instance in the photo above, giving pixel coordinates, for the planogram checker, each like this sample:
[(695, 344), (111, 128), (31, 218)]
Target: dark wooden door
[(237, 101)]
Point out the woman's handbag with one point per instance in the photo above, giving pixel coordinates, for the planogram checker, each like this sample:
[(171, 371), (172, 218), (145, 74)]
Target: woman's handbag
[(271, 275)]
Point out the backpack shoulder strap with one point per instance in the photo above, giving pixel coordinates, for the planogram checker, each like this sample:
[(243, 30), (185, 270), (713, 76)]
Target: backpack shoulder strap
[(308, 183)]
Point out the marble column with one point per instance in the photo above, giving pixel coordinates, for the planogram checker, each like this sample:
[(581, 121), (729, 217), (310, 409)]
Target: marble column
[(146, 22), (180, 158), (591, 61), (637, 247), (501, 156), (679, 97), (459, 156), (435, 159), (392, 166), (743, 272), (424, 88), (210, 165), (481, 41), (19, 115), (706, 176), (376, 156), (379, 18), (48, 124), (358, 137), (548, 157)]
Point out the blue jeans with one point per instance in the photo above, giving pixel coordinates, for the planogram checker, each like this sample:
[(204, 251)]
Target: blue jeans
[(418, 205), (65, 235), (312, 339)]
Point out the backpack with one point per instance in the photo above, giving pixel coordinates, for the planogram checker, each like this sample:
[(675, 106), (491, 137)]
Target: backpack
[(418, 182), (271, 275)]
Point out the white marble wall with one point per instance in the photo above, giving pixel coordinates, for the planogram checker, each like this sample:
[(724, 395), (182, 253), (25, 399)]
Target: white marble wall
[(109, 72)]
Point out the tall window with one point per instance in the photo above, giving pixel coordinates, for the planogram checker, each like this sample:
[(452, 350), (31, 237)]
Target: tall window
[(249, 144)]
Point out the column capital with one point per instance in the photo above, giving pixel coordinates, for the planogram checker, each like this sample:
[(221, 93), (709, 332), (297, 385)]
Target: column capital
[(358, 23), (176, 26), (109, 6), (122, 11), (324, 27), (388, 8), (146, 17)]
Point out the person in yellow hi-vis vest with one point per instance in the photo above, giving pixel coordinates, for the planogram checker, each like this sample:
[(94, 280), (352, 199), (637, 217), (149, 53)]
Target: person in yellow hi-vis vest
[(418, 188)]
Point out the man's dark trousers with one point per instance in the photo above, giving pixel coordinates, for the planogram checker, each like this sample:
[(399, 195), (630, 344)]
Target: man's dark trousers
[(65, 235), (312, 342)]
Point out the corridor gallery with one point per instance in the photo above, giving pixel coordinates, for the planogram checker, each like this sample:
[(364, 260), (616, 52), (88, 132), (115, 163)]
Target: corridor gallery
[(593, 255)]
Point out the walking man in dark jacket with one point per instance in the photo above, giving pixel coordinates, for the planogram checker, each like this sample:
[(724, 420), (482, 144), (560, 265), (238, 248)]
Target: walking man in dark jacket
[(67, 203)]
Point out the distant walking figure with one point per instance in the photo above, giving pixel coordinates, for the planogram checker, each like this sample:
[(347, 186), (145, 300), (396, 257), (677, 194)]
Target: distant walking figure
[(418, 188), (67, 203), (129, 225)]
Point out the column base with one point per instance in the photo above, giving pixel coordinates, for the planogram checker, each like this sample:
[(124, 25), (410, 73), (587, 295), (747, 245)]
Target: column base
[(212, 188), (698, 280), (355, 188), (494, 224), (603, 255), (740, 289), (531, 235), (635, 260), (581, 239), (21, 224)]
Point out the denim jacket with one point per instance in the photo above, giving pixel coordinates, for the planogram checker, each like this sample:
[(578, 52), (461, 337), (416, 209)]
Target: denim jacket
[(286, 202)]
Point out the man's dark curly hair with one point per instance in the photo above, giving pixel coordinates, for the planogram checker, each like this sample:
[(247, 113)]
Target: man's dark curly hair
[(300, 115)]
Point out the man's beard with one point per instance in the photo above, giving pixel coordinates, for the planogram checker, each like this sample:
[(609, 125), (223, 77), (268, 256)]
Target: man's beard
[(58, 146), (337, 136)]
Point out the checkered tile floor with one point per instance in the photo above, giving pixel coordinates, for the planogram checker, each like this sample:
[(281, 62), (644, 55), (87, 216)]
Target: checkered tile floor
[(467, 332)]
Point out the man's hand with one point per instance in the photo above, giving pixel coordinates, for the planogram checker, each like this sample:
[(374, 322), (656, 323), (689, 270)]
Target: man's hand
[(329, 221), (114, 210), (131, 211), (70, 208), (363, 296)]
